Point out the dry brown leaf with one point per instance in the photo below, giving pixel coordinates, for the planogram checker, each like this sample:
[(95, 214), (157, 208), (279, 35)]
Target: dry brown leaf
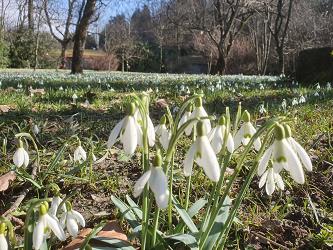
[(161, 103), (36, 92), (6, 179), (111, 230), (4, 108)]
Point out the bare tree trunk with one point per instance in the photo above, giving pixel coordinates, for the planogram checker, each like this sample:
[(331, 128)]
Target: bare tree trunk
[(280, 53), (31, 15), (63, 55), (219, 67), (81, 35)]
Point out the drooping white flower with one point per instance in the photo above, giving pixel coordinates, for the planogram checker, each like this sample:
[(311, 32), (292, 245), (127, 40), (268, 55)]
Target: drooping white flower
[(245, 133), (282, 156), (203, 154), (262, 109), (217, 137), (3, 241), (199, 112), (150, 126), (299, 150), (301, 99), (157, 181), (45, 224), (56, 201), (186, 116), (129, 132), (80, 154), (271, 179), (328, 86), (21, 156), (71, 220), (284, 104), (74, 97), (163, 134), (61, 88), (294, 102)]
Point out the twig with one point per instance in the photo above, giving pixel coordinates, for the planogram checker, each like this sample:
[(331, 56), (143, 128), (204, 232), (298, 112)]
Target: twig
[(269, 241), (21, 196)]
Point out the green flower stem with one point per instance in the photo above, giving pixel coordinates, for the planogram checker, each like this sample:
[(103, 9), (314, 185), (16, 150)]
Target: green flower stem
[(222, 237), (238, 168), (188, 190), (170, 194), (155, 227)]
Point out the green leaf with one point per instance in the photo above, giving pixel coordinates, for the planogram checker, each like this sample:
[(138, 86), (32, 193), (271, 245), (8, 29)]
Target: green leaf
[(134, 207), (185, 216), (55, 161), (218, 224), (192, 211), (95, 231), (176, 240), (27, 177), (101, 243), (126, 212)]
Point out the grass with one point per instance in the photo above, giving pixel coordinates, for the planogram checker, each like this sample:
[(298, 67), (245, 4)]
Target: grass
[(300, 217)]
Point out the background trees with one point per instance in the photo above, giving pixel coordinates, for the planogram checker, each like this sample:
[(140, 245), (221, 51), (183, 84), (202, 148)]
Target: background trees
[(195, 36)]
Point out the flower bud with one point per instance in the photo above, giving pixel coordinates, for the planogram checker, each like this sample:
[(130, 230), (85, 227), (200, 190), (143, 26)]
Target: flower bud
[(157, 162), (131, 109), (43, 209), (246, 116), (163, 120), (201, 129), (198, 102), (279, 132), (222, 120), (2, 228)]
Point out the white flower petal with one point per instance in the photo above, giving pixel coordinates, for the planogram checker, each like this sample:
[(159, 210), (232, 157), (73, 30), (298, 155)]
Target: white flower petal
[(26, 158), (207, 159), (184, 119), (38, 234), (129, 137), (71, 225), (151, 132), (140, 184), (239, 137), (18, 157), (263, 179), (279, 181), (140, 135), (263, 162), (114, 134), (257, 144), (303, 156), (165, 139), (270, 182), (55, 227), (3, 242), (189, 159), (79, 218), (159, 185), (294, 165), (230, 144)]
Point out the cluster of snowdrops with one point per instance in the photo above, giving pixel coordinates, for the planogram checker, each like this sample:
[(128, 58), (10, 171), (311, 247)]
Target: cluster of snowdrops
[(214, 142)]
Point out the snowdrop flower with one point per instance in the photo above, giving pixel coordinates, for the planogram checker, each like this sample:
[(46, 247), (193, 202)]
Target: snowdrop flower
[(262, 109), (186, 116), (282, 156), (45, 224), (129, 132), (245, 133), (316, 94), (294, 102), (87, 103), (199, 112), (299, 150), (80, 154), (71, 219), (162, 133), (272, 179), (35, 129), (157, 181), (284, 104), (150, 126), (61, 88), (302, 99), (21, 157), (56, 200), (217, 137), (203, 154), (3, 241), (74, 98), (328, 86), (318, 85)]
